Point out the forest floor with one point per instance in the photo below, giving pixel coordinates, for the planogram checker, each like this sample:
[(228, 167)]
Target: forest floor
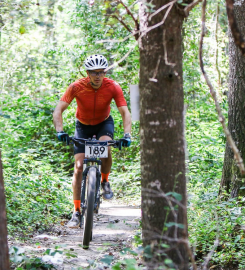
[(114, 230)]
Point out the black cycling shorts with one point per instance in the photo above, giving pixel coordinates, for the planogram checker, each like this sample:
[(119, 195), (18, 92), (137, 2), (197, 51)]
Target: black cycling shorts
[(88, 131)]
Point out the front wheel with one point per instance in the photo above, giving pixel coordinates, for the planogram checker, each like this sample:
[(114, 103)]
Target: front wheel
[(89, 213)]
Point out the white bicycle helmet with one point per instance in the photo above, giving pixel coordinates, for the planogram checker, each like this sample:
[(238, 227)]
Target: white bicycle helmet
[(95, 61)]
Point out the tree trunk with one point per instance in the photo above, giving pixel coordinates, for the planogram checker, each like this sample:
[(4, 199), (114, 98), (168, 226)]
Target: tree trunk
[(231, 178), (164, 213), (4, 255)]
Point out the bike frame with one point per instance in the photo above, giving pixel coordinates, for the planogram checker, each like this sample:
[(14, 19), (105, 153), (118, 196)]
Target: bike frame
[(90, 195), (87, 164)]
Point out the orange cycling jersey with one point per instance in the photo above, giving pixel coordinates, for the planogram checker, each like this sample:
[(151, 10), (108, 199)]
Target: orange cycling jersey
[(93, 105)]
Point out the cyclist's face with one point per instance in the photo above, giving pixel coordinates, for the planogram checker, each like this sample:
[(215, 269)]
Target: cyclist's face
[(96, 77)]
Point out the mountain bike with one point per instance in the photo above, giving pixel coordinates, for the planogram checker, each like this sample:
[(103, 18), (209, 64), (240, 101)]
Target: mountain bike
[(91, 180)]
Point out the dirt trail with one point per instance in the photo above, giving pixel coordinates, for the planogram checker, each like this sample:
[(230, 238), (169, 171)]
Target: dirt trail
[(113, 228)]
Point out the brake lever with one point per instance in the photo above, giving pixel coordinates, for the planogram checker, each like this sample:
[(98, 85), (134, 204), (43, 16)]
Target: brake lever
[(77, 143)]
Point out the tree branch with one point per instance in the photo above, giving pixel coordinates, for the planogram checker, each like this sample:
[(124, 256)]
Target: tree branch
[(216, 242), (153, 79), (121, 21), (142, 33), (133, 4), (217, 48), (163, 20), (131, 14), (123, 58), (79, 69), (165, 50), (239, 40), (162, 8), (145, 31), (190, 7), (231, 142)]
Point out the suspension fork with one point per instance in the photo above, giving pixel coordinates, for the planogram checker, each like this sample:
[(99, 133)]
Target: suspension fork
[(83, 190), (83, 185), (98, 181)]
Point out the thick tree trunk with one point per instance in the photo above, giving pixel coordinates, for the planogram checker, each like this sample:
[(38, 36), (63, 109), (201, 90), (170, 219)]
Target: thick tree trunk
[(4, 257), (231, 178), (164, 220)]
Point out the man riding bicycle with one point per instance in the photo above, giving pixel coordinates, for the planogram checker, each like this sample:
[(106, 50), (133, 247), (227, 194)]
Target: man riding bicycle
[(93, 96)]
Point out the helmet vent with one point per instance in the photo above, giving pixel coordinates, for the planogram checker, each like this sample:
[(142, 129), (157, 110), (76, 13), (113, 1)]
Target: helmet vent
[(95, 61)]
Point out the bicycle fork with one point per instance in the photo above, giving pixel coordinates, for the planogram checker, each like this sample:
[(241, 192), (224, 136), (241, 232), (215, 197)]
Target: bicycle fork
[(83, 186)]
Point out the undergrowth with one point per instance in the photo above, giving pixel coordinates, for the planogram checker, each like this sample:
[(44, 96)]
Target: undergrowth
[(38, 169)]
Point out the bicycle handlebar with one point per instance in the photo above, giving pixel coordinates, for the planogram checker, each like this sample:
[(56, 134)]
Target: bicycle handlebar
[(81, 141)]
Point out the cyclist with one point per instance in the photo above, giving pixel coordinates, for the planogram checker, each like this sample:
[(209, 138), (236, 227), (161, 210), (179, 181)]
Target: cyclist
[(93, 95)]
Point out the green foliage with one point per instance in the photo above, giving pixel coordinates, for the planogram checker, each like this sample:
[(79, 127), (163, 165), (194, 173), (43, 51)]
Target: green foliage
[(42, 48), (18, 258), (35, 184), (36, 166), (37, 65), (125, 172), (224, 220), (208, 217)]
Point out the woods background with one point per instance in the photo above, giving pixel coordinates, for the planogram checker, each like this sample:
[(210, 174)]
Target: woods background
[(42, 48)]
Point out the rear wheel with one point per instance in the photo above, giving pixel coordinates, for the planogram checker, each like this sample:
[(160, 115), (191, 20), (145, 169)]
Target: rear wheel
[(89, 213)]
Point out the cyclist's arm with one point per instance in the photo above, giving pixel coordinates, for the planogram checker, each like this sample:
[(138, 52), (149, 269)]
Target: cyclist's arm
[(126, 117), (57, 115)]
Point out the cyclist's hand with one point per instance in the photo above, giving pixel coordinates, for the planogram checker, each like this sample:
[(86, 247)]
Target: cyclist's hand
[(63, 137), (126, 140)]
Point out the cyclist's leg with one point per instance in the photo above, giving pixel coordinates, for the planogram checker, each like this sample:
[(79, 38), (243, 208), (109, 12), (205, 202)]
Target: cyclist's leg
[(106, 133), (105, 170), (79, 154), (76, 186), (81, 131), (77, 176), (106, 162)]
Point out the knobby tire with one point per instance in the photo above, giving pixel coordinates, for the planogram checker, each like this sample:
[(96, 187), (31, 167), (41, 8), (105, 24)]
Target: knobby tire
[(89, 213)]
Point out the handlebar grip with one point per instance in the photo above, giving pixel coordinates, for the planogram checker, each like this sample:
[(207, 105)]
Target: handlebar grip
[(119, 145)]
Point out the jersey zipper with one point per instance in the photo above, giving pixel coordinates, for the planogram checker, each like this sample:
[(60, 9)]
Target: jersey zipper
[(95, 92)]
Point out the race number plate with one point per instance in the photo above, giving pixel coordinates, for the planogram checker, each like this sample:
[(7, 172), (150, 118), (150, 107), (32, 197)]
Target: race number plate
[(94, 150)]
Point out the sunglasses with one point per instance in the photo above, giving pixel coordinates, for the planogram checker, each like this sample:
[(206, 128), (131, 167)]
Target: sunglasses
[(94, 73)]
